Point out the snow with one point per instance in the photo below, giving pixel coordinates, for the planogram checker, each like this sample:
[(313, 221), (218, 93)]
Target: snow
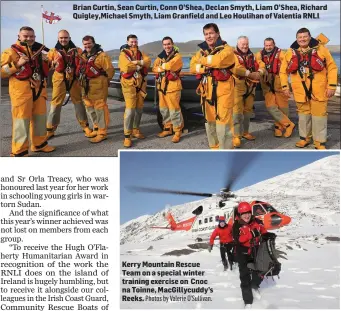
[(309, 248)]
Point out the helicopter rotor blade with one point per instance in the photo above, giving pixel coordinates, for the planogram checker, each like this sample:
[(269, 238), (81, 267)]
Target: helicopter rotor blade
[(240, 162), (157, 190)]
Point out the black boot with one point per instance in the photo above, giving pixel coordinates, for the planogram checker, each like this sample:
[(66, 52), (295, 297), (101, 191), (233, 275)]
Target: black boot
[(231, 264)]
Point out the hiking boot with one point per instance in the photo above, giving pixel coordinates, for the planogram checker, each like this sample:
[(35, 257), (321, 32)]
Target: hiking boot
[(138, 134), (88, 133), (176, 137), (303, 142), (49, 134), (320, 146), (46, 149), (236, 142), (21, 154), (225, 268), (248, 306), (248, 136), (92, 134), (166, 132), (127, 142), (214, 147), (98, 139), (256, 293), (288, 129), (278, 130)]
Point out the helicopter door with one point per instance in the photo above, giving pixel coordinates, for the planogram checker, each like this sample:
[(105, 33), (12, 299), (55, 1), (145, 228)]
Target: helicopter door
[(258, 210)]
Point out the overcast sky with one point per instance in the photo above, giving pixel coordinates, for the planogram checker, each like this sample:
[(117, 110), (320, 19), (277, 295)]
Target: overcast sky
[(112, 34)]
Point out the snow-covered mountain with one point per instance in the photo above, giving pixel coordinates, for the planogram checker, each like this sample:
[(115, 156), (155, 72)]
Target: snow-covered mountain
[(310, 194), (309, 248)]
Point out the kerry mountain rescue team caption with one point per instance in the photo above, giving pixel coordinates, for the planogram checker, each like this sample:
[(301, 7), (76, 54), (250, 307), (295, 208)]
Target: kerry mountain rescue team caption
[(227, 87)]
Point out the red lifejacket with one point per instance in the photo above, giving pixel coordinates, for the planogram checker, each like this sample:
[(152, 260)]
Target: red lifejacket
[(310, 60), (35, 64), (316, 62), (88, 67), (272, 60), (219, 74), (143, 70), (247, 60), (170, 75), (245, 235), (67, 59)]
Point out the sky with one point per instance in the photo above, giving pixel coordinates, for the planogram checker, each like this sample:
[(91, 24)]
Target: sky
[(112, 34), (196, 171)]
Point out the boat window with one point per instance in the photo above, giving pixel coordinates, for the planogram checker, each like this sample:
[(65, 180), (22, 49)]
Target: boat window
[(258, 210)]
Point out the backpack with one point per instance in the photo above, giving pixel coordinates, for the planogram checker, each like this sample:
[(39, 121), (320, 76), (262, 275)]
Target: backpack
[(266, 259)]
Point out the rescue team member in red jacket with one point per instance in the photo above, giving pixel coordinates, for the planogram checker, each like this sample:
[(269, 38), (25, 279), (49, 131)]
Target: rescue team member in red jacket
[(224, 232), (246, 234)]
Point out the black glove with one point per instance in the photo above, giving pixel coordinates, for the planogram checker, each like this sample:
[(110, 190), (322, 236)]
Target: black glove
[(210, 248), (255, 233), (269, 235)]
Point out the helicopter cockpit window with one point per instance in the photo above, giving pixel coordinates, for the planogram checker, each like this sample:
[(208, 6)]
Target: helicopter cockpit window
[(205, 220), (269, 208), (258, 210)]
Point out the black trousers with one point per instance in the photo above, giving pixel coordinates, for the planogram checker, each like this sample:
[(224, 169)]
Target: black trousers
[(226, 249), (248, 278)]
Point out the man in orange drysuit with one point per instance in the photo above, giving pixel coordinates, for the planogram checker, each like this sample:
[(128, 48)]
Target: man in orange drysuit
[(94, 73), (64, 59), (27, 67), (275, 101), (245, 89), (214, 64), (167, 66), (313, 74), (224, 232), (134, 66)]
